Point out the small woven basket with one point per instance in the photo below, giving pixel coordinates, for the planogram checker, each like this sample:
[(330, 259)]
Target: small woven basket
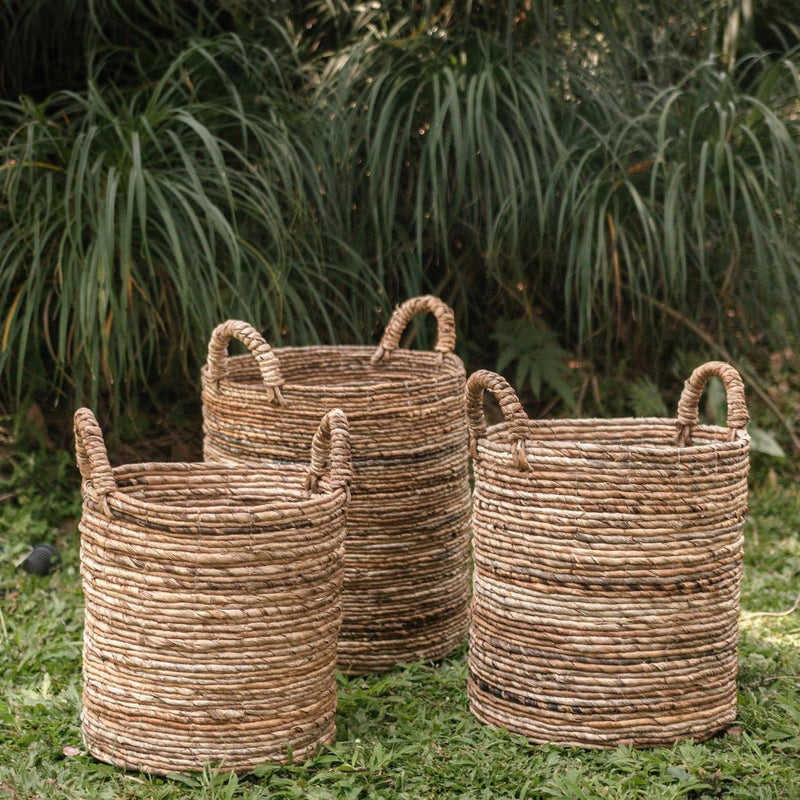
[(406, 584), (608, 558), (212, 605)]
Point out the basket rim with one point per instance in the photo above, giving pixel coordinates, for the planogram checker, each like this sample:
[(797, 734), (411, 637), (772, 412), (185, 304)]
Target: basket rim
[(281, 500), (496, 437), (444, 362)]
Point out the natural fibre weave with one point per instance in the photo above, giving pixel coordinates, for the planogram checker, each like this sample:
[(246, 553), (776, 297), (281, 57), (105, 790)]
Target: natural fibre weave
[(212, 605), (406, 586), (608, 560)]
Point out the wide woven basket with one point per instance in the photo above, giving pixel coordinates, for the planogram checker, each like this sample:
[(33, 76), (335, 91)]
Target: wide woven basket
[(212, 605), (608, 557), (406, 584)]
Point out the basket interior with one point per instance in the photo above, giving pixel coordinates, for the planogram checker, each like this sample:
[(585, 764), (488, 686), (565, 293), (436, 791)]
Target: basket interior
[(340, 366), (197, 486), (626, 432)]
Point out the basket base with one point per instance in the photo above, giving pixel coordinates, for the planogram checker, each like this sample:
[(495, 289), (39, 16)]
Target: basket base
[(603, 731), (157, 756)]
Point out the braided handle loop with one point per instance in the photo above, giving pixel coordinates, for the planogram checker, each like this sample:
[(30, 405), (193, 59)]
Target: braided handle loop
[(405, 312), (690, 397), (267, 361), (512, 410), (92, 457), (330, 450)]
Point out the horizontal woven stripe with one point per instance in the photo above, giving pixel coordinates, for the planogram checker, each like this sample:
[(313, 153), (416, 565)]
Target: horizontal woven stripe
[(608, 565)]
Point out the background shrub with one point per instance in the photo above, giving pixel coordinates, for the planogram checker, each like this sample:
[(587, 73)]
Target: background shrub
[(602, 191)]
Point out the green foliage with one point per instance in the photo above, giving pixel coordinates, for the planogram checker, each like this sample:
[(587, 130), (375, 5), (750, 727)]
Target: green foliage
[(526, 177), (404, 734), (57, 44), (41, 46), (132, 223), (646, 400), (447, 136), (625, 174), (540, 361)]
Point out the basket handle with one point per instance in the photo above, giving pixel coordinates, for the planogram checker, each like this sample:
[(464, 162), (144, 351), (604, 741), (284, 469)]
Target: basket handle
[(92, 457), (405, 312), (330, 449), (267, 361), (690, 397), (512, 410)]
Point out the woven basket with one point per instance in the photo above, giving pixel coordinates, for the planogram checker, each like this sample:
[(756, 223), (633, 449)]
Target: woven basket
[(406, 584), (212, 605), (608, 558)]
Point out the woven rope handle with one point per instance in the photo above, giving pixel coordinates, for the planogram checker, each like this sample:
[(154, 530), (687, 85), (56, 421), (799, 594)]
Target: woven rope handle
[(512, 410), (690, 398), (267, 361), (405, 312), (92, 457), (330, 450)]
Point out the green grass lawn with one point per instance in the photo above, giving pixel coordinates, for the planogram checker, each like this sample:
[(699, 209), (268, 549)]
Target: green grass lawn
[(405, 734)]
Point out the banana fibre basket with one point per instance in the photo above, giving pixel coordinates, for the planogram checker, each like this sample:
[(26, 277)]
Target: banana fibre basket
[(406, 585), (213, 605), (608, 562)]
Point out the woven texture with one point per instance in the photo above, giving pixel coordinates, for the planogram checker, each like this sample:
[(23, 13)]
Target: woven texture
[(607, 570), (212, 605), (406, 585)]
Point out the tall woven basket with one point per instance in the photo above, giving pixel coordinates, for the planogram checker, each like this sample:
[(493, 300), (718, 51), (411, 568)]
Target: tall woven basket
[(608, 557), (212, 605), (406, 584)]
